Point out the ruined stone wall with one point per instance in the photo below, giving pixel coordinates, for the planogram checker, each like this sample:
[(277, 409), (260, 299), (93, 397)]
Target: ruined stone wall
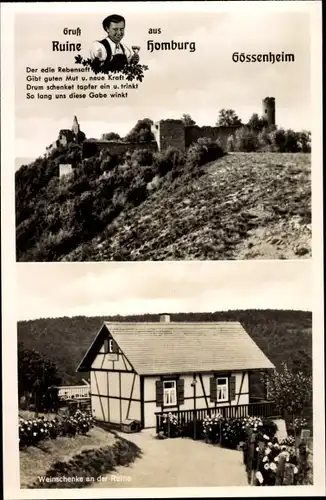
[(173, 133), (194, 132), (90, 148), (169, 133)]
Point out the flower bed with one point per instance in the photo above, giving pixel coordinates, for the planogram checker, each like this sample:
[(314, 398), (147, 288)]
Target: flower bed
[(232, 432), (272, 463), (34, 430), (216, 429)]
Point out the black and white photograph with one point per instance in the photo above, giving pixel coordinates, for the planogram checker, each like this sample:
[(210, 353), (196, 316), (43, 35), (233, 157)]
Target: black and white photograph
[(197, 375), (110, 54), (205, 154), (162, 249)]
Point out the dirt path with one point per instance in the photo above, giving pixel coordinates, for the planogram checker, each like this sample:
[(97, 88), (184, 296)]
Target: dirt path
[(177, 462)]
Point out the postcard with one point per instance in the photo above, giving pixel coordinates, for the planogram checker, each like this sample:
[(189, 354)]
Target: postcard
[(211, 105), (162, 249)]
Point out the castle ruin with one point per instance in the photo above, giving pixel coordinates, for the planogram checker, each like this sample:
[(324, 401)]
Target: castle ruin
[(269, 110), (174, 133), (67, 136), (167, 133)]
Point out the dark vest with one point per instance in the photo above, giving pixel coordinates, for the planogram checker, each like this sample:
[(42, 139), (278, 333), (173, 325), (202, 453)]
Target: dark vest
[(117, 62)]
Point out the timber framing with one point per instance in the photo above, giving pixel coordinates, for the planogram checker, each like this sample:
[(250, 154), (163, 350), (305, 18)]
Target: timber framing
[(127, 385)]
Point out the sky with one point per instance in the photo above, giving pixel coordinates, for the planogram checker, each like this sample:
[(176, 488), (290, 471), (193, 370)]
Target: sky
[(91, 289), (199, 83)]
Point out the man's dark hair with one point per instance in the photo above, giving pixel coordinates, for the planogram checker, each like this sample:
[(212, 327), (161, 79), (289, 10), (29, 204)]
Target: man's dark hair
[(114, 18)]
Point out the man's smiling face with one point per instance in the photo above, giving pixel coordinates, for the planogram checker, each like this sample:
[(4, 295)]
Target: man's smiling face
[(116, 31)]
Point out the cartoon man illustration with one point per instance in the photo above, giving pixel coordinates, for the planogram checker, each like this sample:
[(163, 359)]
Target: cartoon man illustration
[(110, 54)]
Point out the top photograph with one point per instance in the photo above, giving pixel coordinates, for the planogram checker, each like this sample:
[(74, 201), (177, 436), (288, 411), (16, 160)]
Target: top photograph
[(153, 136)]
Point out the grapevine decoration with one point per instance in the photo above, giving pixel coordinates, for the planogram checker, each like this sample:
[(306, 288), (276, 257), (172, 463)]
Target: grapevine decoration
[(131, 71)]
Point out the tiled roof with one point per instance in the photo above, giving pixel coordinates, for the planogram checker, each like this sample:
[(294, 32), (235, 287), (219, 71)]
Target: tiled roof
[(162, 348)]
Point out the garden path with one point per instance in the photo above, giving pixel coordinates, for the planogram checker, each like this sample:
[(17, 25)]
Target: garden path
[(177, 462)]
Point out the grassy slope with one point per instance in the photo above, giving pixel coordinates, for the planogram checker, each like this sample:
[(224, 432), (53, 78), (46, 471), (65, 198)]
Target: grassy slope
[(247, 205), (36, 461)]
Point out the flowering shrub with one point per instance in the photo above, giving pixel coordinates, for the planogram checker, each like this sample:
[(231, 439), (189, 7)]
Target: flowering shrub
[(297, 424), (212, 427), (253, 423), (34, 430), (288, 441), (233, 432), (269, 457), (170, 426)]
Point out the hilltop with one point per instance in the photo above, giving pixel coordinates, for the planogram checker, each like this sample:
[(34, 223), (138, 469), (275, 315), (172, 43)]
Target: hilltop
[(282, 335), (245, 206), (238, 206)]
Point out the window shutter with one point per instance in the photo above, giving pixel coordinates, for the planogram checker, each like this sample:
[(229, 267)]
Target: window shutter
[(159, 392), (181, 391), (213, 389), (232, 388)]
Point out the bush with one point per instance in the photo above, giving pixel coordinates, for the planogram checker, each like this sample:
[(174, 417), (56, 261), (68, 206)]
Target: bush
[(230, 146), (109, 161), (265, 141), (32, 431), (232, 433), (203, 151), (170, 426), (268, 460), (212, 427), (144, 157), (170, 159), (246, 140)]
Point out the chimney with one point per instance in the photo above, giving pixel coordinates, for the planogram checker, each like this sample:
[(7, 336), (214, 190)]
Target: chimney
[(164, 318)]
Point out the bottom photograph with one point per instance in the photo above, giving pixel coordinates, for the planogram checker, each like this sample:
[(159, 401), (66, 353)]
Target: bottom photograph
[(182, 374)]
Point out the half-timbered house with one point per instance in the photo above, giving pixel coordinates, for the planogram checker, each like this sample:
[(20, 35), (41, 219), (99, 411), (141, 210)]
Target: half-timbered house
[(141, 370)]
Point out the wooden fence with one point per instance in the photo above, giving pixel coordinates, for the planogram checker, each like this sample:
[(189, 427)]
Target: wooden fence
[(184, 417)]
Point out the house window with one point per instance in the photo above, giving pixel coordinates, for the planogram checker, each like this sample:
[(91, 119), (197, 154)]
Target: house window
[(169, 393), (222, 389), (110, 345)]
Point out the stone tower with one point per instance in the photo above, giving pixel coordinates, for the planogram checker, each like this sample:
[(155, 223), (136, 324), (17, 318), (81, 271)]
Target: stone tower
[(269, 110), (75, 126), (169, 133)]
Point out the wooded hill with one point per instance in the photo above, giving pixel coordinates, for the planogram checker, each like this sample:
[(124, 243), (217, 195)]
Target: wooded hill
[(282, 335), (163, 206)]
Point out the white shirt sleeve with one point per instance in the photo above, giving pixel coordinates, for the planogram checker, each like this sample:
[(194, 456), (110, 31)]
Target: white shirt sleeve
[(127, 52), (98, 51)]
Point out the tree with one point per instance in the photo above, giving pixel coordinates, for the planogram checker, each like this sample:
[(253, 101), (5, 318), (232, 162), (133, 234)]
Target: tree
[(257, 123), (291, 391), (35, 374), (187, 120), (141, 132), (111, 136), (228, 118)]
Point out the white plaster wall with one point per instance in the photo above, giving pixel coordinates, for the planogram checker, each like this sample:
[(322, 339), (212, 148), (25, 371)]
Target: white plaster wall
[(201, 402), (113, 384)]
